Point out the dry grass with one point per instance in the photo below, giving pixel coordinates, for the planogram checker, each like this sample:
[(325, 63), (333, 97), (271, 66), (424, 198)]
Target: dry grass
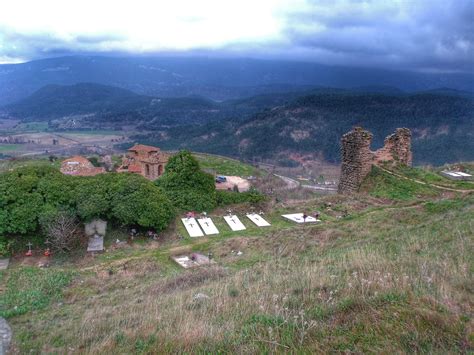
[(388, 279)]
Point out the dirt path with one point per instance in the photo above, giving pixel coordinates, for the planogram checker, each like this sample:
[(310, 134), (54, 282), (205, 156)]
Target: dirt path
[(425, 183)]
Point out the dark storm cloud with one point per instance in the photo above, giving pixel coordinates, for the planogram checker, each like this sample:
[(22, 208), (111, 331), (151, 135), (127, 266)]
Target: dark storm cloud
[(422, 35)]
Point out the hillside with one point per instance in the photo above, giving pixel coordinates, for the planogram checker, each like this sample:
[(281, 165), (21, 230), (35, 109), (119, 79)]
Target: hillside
[(442, 126), (271, 126), (215, 78), (378, 274), (96, 105)]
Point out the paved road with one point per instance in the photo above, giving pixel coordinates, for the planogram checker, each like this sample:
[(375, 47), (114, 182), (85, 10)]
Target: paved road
[(293, 184), (290, 183)]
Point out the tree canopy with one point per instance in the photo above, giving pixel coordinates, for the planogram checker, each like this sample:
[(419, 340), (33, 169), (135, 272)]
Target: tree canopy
[(29, 195)]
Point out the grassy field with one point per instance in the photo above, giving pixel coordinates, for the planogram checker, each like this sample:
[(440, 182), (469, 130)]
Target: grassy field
[(5, 148), (226, 166), (13, 164), (389, 277)]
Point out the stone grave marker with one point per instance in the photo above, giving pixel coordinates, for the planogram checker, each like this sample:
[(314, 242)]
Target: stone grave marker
[(4, 263), (208, 226), (258, 220), (234, 223), (298, 218)]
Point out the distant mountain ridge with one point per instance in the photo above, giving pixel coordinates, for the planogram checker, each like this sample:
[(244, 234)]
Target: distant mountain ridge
[(442, 126), (267, 125), (215, 78)]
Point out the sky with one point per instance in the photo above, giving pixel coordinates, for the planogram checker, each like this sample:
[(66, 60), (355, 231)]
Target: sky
[(420, 35)]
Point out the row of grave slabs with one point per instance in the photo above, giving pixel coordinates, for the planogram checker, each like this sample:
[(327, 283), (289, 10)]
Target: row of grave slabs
[(198, 227)]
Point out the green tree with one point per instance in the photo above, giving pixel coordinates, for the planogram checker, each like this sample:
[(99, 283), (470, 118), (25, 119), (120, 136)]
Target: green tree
[(135, 200), (186, 185)]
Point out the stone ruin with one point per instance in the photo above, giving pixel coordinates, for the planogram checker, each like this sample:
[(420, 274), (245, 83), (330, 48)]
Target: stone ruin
[(357, 158)]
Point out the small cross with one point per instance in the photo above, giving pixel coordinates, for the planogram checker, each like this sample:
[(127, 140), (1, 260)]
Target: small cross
[(29, 245)]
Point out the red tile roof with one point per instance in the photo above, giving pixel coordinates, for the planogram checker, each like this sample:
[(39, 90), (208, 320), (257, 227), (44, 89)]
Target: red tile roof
[(143, 148), (134, 168)]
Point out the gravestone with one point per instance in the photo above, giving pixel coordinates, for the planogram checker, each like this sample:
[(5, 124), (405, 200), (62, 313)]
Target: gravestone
[(234, 223), (5, 336), (4, 263), (192, 227), (208, 226), (298, 218), (258, 220), (193, 260), (95, 230)]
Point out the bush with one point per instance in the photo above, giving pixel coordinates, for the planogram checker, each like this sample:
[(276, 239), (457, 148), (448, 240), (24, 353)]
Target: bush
[(186, 185), (231, 197), (63, 230), (135, 200), (5, 247), (35, 197)]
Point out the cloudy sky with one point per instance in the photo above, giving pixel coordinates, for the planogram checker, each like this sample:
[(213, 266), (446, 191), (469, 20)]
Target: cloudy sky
[(424, 35)]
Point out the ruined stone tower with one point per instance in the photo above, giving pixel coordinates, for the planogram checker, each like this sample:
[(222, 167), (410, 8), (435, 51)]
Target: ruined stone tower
[(357, 158)]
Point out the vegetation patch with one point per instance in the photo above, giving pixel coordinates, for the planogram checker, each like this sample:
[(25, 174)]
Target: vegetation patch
[(379, 183), (225, 166), (30, 288)]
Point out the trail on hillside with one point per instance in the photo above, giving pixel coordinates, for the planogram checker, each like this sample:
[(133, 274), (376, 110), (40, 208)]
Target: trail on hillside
[(423, 182)]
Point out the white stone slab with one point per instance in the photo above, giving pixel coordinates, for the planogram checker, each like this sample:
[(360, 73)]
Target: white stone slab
[(96, 243), (298, 218), (463, 174), (208, 226), (184, 261), (258, 220), (4, 264), (192, 227), (234, 223)]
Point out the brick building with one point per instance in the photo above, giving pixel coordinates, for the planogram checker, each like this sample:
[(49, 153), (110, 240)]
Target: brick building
[(80, 166), (145, 160)]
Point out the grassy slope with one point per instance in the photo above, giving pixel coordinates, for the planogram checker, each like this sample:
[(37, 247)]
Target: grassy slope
[(5, 148), (386, 278), (225, 166)]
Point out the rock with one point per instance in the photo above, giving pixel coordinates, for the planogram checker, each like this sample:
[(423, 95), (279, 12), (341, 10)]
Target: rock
[(5, 336), (200, 297)]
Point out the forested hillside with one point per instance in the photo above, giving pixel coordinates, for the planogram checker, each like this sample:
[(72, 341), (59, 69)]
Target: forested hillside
[(442, 126)]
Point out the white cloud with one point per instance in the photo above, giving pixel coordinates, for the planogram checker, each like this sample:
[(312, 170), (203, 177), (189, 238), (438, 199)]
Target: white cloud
[(143, 25)]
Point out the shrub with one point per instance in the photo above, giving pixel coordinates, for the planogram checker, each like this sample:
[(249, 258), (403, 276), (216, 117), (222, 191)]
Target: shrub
[(63, 230), (5, 247), (135, 200), (229, 197), (186, 185), (35, 197)]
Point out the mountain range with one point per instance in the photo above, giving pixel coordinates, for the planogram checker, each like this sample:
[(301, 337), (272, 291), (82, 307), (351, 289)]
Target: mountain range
[(214, 78), (260, 117)]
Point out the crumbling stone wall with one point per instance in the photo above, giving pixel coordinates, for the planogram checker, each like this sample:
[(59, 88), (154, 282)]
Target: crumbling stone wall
[(357, 158), (396, 149)]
